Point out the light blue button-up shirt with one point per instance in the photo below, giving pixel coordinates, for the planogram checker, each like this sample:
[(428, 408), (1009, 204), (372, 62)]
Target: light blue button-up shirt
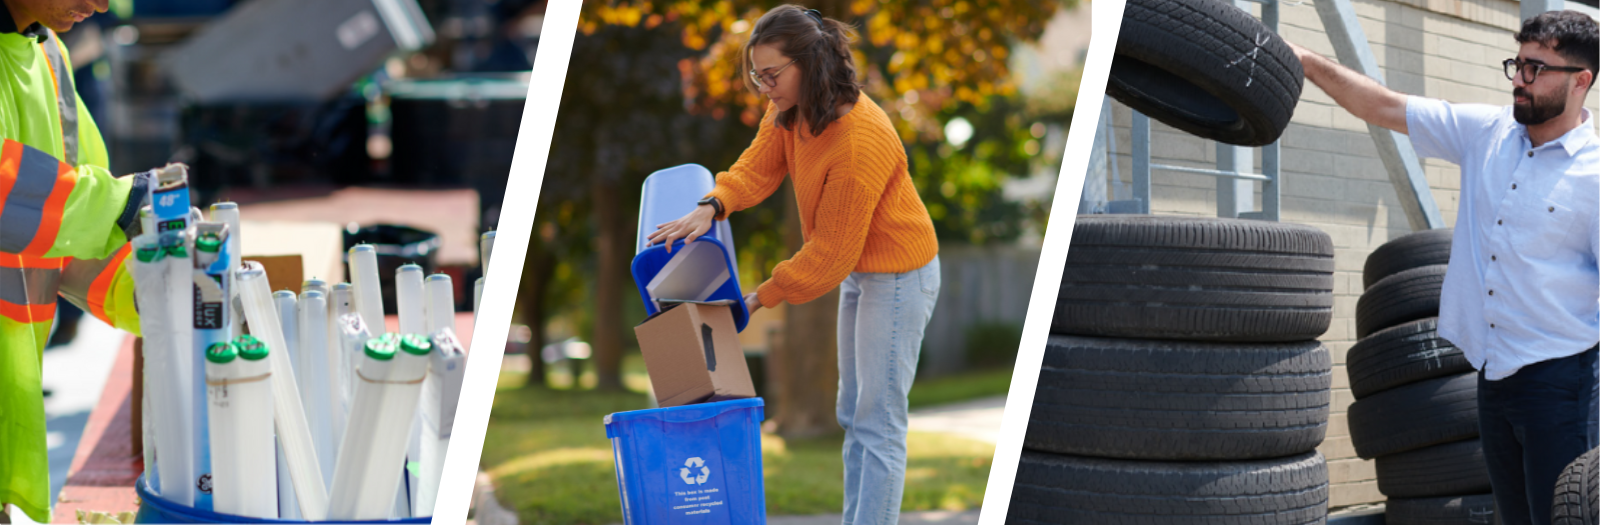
[(1523, 284)]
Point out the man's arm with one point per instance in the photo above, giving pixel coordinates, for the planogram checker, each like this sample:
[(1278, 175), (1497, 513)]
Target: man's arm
[(52, 209), (1357, 93)]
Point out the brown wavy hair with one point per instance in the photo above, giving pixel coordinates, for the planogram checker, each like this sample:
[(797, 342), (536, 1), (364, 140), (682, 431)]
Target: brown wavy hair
[(820, 47)]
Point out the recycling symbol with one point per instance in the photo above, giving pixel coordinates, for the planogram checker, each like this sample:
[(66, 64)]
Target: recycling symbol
[(688, 475)]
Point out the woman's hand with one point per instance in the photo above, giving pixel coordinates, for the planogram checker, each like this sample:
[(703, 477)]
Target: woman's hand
[(751, 302), (689, 227)]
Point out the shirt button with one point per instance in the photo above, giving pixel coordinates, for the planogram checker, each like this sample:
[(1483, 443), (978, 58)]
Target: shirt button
[(1497, 221), (1552, 209), (1530, 153), (1513, 185), (1491, 325), (1492, 258), (1491, 292)]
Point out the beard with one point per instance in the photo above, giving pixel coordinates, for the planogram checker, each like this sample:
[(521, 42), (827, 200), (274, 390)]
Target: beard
[(1537, 110)]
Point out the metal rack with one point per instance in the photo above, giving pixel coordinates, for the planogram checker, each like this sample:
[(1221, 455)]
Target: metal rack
[(1234, 170)]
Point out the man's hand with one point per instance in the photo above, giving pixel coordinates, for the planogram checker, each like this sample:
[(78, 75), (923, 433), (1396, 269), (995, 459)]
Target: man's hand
[(1301, 53), (689, 227), (1357, 93), (751, 302)]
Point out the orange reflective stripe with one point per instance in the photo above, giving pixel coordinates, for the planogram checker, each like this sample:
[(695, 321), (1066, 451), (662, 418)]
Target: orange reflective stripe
[(10, 159), (8, 260), (38, 313), (50, 221), (102, 284)]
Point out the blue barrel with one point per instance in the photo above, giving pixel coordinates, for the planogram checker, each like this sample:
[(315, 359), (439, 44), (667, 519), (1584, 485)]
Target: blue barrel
[(668, 195), (154, 509), (692, 464)]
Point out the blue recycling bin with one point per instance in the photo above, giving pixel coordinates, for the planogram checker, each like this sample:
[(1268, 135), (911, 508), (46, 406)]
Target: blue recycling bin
[(668, 195), (691, 464)]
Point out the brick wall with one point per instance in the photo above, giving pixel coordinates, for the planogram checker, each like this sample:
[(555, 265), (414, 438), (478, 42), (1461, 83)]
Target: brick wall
[(1332, 177)]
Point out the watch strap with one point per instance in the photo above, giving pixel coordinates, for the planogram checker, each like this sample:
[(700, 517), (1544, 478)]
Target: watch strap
[(716, 204)]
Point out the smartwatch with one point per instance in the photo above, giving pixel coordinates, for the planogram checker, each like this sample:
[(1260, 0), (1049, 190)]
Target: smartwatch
[(716, 205)]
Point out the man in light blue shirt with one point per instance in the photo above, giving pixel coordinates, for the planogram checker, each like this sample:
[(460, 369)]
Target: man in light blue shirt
[(1522, 293)]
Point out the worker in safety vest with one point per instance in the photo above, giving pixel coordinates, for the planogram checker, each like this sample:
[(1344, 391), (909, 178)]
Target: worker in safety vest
[(65, 222)]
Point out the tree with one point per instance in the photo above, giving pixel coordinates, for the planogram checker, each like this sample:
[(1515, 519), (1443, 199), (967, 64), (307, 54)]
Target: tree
[(621, 118), (657, 83)]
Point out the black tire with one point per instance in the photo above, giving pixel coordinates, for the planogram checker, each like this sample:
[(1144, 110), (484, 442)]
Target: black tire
[(1448, 510), (1176, 400), (1413, 250), (1196, 279), (1417, 415), (1401, 355), (1053, 488), (1207, 68), (1577, 498), (1439, 470), (1406, 296)]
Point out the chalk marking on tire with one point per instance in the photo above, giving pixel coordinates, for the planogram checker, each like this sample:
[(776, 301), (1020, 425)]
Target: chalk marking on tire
[(1260, 40), (1432, 356)]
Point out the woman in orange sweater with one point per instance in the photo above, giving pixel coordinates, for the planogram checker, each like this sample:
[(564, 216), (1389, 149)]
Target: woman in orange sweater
[(866, 232)]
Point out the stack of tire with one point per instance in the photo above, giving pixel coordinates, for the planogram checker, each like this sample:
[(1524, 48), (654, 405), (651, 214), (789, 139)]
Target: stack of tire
[(1181, 383), (1577, 497), (1416, 409)]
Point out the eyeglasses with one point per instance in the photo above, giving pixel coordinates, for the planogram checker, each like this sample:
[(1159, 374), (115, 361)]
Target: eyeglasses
[(1531, 70), (770, 79)]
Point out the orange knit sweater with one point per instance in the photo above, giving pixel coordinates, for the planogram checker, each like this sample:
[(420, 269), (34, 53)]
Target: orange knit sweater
[(858, 208)]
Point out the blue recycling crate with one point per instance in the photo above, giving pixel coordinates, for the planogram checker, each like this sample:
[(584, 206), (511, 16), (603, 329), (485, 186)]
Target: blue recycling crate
[(692, 464), (668, 195), (155, 509)]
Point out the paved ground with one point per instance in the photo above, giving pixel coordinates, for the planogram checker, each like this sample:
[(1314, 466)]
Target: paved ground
[(934, 517)]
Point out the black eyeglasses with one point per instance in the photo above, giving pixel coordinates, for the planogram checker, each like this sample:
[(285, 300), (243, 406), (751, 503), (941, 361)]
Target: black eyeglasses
[(770, 79), (1531, 70)]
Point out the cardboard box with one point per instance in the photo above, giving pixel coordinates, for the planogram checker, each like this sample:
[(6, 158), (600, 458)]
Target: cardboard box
[(284, 272), (692, 353)]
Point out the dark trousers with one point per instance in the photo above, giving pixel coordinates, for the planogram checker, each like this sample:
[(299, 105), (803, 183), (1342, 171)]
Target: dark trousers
[(1532, 425)]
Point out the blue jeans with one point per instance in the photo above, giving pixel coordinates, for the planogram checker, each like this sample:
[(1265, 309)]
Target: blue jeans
[(1532, 425), (882, 317)]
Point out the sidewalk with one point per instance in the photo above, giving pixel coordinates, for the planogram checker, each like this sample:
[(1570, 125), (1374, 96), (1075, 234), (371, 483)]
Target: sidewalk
[(939, 517), (75, 374), (978, 419)]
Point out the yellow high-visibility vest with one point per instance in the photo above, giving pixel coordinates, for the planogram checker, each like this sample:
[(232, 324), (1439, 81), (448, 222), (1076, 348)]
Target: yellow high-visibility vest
[(64, 226)]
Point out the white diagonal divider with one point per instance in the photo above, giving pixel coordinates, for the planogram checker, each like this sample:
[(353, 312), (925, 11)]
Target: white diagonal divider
[(1107, 15), (493, 318)]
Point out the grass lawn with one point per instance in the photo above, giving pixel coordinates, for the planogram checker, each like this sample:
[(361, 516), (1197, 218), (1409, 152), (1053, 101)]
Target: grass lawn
[(551, 462)]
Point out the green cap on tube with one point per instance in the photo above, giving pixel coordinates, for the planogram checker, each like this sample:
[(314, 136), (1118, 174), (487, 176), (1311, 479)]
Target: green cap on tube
[(250, 348), (173, 244), (416, 344), (380, 348), (208, 243), (149, 253), (221, 353)]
